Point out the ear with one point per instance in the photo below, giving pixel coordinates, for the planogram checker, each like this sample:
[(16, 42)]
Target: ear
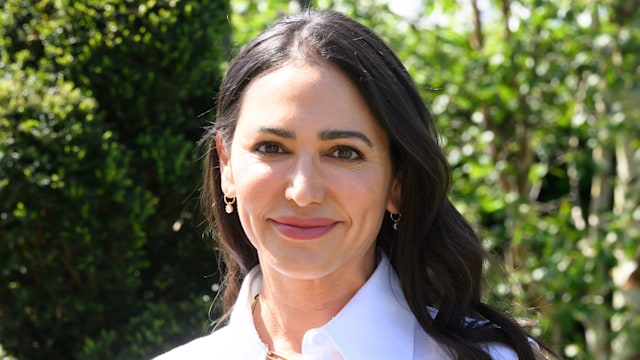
[(395, 195), (226, 174)]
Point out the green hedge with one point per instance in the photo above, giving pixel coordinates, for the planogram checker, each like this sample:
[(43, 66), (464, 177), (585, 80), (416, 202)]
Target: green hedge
[(102, 250)]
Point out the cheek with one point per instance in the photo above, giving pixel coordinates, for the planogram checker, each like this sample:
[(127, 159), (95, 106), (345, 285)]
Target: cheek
[(363, 192), (254, 181), (255, 193)]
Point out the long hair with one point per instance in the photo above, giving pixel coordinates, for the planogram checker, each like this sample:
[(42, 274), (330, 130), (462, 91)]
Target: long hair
[(435, 252)]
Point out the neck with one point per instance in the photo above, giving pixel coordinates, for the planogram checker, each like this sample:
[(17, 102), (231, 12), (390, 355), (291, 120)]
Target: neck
[(287, 308)]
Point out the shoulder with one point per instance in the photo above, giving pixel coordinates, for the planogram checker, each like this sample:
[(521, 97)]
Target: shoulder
[(427, 347), (496, 350), (499, 351), (201, 348)]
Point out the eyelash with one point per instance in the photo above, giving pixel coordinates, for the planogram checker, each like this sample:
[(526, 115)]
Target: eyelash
[(259, 146), (341, 148), (355, 153)]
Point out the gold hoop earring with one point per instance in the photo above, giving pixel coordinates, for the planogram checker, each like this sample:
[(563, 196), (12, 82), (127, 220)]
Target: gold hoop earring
[(229, 204), (396, 219)]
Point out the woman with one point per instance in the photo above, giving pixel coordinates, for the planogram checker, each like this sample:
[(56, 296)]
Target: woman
[(327, 191)]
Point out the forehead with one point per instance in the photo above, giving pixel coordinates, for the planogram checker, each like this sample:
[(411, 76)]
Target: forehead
[(306, 91), (297, 75)]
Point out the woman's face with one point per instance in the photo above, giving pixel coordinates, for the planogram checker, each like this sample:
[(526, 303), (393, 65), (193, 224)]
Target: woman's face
[(311, 171)]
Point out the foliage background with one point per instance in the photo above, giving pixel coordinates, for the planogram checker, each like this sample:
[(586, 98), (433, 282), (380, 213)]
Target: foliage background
[(102, 256), (537, 101)]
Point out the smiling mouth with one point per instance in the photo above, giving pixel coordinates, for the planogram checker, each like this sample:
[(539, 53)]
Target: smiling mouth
[(304, 230)]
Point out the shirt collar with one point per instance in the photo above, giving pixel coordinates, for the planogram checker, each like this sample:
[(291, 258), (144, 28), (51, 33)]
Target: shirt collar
[(241, 313), (375, 324)]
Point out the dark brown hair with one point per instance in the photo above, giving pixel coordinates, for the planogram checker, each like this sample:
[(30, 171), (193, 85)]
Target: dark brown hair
[(435, 252)]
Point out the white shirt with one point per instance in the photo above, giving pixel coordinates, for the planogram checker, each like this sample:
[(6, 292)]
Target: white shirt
[(375, 324)]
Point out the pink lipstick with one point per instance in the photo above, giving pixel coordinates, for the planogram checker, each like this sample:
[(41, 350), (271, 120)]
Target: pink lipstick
[(303, 228)]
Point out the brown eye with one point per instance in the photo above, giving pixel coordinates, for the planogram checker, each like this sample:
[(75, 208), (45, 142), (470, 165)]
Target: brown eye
[(269, 148), (346, 153)]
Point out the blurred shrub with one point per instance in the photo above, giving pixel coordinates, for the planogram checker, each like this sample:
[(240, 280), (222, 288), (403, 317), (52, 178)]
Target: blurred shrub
[(101, 255)]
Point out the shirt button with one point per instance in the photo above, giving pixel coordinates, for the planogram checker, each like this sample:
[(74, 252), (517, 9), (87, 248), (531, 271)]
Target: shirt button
[(319, 338)]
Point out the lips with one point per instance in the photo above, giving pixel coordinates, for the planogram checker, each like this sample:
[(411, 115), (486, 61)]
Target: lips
[(303, 228)]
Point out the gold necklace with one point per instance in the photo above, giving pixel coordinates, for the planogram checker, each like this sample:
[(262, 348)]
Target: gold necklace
[(271, 355)]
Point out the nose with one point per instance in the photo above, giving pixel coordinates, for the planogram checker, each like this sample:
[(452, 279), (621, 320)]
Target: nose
[(305, 184)]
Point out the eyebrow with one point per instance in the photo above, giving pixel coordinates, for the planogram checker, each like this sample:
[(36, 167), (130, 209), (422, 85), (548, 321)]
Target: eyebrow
[(324, 134), (344, 134), (280, 132)]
